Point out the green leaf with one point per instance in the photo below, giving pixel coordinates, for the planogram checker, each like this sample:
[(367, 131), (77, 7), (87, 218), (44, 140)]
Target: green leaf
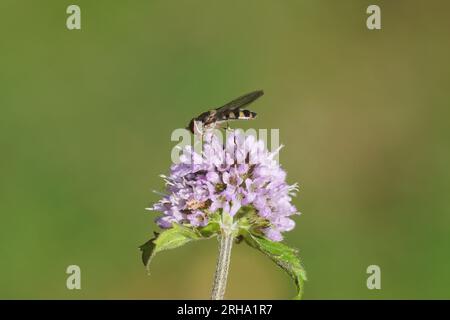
[(285, 257), (213, 226), (168, 239), (147, 249)]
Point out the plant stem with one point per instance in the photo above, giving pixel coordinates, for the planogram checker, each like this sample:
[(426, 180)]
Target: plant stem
[(223, 264)]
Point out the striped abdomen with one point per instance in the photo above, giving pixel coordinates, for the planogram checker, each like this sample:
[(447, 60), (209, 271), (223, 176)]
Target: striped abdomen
[(238, 114)]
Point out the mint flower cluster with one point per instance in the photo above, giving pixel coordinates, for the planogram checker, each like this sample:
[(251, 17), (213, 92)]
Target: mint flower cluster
[(237, 175)]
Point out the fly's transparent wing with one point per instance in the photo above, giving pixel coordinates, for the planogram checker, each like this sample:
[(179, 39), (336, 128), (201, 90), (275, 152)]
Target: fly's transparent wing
[(240, 102)]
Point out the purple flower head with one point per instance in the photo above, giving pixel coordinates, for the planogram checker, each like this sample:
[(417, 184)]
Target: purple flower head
[(232, 177)]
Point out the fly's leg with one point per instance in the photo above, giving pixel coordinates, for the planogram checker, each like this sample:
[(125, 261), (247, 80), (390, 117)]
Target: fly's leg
[(198, 128)]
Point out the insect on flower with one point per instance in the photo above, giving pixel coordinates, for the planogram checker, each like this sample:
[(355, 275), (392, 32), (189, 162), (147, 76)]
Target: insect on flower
[(235, 191), (233, 110)]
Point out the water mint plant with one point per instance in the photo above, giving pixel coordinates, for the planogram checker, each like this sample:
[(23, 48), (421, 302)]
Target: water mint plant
[(235, 191)]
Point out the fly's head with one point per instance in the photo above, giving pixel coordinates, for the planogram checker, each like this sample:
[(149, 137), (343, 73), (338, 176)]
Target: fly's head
[(195, 126)]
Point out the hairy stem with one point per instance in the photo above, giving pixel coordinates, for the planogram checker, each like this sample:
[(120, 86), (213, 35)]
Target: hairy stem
[(223, 264)]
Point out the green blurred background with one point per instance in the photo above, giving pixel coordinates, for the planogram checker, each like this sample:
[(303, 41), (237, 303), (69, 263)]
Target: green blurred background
[(85, 125)]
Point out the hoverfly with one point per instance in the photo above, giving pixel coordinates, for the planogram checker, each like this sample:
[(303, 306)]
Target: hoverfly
[(230, 111)]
